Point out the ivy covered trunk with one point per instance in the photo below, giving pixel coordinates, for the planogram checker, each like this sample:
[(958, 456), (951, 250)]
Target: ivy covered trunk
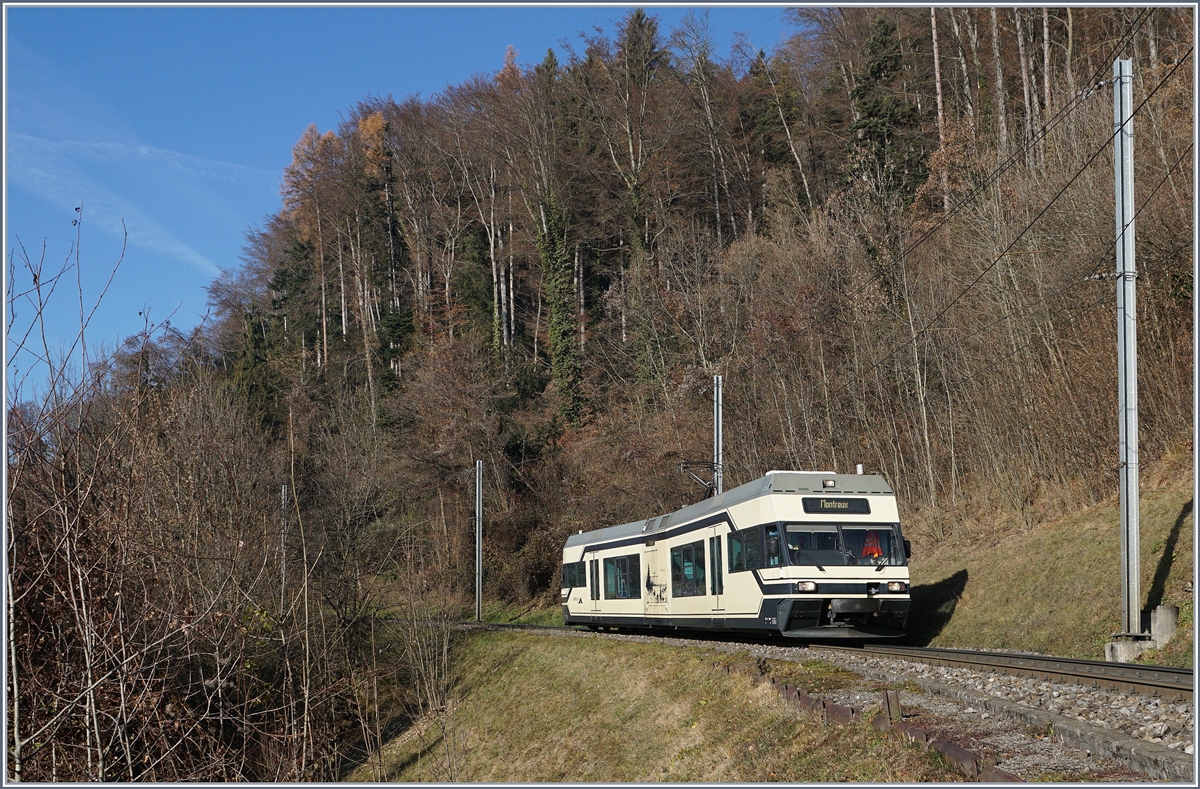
[(558, 286)]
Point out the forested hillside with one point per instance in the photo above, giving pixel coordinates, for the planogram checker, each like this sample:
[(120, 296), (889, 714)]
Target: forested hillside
[(234, 553)]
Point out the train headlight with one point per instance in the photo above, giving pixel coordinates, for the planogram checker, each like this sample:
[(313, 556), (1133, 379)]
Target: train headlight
[(897, 586), (806, 586)]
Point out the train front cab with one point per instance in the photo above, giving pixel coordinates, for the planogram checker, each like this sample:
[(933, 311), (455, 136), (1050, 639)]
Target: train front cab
[(848, 579)]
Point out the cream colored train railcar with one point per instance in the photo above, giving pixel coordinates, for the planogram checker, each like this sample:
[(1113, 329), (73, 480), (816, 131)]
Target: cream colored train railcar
[(808, 554)]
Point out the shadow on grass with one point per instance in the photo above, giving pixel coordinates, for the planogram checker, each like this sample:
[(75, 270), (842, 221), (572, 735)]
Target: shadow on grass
[(1159, 584), (424, 752), (932, 608), (355, 755)]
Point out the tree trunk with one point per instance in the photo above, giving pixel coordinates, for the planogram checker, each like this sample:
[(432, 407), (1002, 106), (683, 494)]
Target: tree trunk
[(391, 232), (1046, 62), (512, 303), (998, 87), (1029, 98), (15, 717), (342, 286), (919, 380), (323, 357), (499, 291), (537, 328), (366, 328), (1070, 52), (492, 230), (968, 93), (579, 306), (788, 131), (941, 117), (624, 328)]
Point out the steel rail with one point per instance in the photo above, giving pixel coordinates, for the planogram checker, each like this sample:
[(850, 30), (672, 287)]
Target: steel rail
[(1164, 681), (1145, 680)]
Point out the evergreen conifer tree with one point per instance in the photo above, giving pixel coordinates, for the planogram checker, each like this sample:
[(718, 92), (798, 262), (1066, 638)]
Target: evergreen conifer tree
[(886, 150)]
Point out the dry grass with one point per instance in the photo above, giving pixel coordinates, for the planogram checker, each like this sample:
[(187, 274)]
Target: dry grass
[(533, 708), (535, 612), (1056, 587)]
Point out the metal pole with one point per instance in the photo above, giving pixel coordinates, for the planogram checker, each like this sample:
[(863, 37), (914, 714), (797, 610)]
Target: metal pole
[(718, 471), (478, 540), (1127, 408), (283, 524)]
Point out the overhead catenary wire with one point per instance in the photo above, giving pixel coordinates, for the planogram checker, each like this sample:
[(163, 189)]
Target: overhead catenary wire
[(829, 395), (841, 389), (1074, 281), (1015, 158), (992, 177), (1080, 311), (958, 297)]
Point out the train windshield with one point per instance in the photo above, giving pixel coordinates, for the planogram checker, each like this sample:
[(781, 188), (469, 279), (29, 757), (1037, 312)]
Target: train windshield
[(844, 544)]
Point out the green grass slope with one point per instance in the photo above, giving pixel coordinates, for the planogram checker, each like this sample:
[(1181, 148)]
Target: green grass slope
[(1056, 588), (535, 708)]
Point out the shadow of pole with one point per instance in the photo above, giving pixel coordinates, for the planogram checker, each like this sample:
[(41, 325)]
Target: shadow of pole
[(932, 608), (1159, 584)]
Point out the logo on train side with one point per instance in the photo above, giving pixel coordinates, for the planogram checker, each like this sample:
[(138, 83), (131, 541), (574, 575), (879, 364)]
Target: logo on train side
[(657, 592)]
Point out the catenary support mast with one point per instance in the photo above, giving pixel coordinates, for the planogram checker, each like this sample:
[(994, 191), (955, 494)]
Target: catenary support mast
[(1127, 403), (478, 540), (718, 471)]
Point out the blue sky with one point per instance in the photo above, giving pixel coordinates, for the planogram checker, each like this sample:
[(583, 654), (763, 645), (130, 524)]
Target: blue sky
[(178, 122)]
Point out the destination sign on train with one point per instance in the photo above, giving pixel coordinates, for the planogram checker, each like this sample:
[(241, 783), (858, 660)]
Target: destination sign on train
[(841, 506)]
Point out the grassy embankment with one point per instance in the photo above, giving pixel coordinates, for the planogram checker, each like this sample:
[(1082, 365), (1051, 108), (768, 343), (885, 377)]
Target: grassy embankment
[(537, 708), (534, 613), (1056, 587)]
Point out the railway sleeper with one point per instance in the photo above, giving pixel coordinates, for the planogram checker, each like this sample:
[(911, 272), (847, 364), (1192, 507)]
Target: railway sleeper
[(969, 763), (966, 761), (836, 713)]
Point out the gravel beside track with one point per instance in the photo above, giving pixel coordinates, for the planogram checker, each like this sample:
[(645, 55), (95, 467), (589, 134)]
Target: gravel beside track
[(1031, 728), (1102, 725)]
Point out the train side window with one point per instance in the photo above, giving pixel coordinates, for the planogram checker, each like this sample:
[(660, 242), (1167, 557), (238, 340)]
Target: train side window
[(573, 575), (687, 570), (737, 553), (774, 549), (714, 552), (745, 550), (621, 577), (752, 540)]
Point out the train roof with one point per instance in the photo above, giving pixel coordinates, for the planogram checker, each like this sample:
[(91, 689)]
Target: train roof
[(801, 482)]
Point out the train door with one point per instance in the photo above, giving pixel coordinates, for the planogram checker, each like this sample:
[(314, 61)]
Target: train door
[(716, 577), (594, 583), (654, 591)]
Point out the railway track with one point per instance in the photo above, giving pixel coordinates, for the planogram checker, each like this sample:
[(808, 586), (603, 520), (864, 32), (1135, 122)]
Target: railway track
[(1154, 681), (1146, 680), (1127, 712)]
